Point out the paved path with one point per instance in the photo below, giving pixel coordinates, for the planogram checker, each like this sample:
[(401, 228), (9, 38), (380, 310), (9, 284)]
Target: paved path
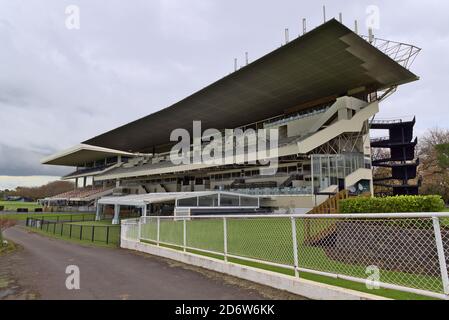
[(38, 268)]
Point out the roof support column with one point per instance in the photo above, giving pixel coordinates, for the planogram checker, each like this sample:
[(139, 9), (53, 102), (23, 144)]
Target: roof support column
[(116, 219), (144, 210), (99, 212)]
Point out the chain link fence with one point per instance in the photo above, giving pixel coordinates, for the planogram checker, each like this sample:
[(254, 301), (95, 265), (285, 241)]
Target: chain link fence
[(407, 252)]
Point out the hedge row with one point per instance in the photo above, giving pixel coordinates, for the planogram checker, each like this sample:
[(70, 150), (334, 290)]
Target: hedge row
[(392, 204)]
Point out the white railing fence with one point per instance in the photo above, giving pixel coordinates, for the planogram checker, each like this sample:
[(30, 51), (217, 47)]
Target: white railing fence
[(407, 252)]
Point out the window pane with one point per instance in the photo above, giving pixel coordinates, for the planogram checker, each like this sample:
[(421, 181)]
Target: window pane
[(209, 201), (248, 202), (229, 201), (189, 202)]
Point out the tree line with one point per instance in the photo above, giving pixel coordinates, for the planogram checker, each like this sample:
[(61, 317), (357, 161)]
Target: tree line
[(34, 193)]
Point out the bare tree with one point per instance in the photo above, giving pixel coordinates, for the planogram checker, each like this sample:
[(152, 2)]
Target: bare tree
[(48, 190), (435, 176)]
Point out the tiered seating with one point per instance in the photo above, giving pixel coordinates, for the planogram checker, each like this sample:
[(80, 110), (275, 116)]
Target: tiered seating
[(255, 185), (275, 191), (298, 116), (80, 193), (88, 170)]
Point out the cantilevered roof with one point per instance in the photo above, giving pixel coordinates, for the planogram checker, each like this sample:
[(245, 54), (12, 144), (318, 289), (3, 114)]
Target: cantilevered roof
[(328, 61), (82, 154)]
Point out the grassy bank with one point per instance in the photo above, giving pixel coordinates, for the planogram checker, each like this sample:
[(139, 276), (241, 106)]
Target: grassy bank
[(270, 240), (387, 293)]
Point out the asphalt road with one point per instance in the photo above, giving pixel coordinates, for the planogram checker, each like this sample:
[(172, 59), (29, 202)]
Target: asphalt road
[(37, 271)]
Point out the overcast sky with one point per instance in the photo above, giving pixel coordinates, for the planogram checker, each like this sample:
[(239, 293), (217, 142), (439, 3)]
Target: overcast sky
[(59, 87)]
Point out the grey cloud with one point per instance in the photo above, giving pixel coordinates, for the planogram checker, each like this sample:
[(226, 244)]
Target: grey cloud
[(23, 162), (60, 87)]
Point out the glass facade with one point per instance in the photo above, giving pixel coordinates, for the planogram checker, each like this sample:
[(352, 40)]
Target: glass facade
[(329, 170), (229, 201), (213, 200), (208, 201)]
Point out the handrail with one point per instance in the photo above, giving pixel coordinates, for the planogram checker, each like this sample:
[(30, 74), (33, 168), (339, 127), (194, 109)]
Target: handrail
[(311, 216)]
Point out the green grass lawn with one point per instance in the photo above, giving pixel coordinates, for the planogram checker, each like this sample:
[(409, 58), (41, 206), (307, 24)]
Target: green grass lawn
[(13, 205), (96, 232), (47, 216), (270, 240), (95, 223), (85, 240)]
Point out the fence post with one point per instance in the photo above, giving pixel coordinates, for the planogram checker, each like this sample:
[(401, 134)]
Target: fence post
[(62, 229), (158, 230), (93, 233), (225, 239), (441, 256), (295, 246), (81, 232), (70, 232), (107, 235), (184, 227), (139, 230)]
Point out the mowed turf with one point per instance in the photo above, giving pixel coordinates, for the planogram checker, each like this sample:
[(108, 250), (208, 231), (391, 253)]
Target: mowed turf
[(48, 216), (84, 231), (14, 205), (271, 240)]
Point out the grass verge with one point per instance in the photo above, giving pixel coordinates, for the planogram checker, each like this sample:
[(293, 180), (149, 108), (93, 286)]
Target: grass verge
[(72, 240), (47, 216), (10, 247), (387, 293)]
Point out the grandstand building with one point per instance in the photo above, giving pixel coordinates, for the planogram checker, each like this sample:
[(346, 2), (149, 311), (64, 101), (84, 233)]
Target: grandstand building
[(319, 92)]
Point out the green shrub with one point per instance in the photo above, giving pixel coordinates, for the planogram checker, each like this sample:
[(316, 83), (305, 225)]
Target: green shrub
[(392, 204)]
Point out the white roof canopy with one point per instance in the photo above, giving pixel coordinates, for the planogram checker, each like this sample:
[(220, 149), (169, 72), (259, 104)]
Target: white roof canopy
[(144, 199), (81, 154)]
